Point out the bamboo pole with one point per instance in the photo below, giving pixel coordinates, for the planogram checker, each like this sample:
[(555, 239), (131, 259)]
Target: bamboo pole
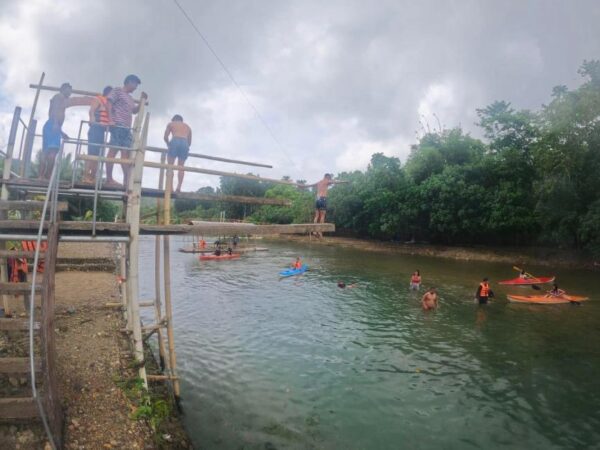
[(10, 146), (31, 130), (134, 190), (157, 294), (167, 284), (218, 173), (212, 158)]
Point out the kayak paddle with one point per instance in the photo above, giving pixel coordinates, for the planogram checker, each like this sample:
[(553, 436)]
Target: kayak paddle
[(533, 286)]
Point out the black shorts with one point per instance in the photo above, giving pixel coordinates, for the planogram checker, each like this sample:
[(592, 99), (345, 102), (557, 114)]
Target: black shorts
[(321, 203), (95, 136), (120, 137), (483, 300)]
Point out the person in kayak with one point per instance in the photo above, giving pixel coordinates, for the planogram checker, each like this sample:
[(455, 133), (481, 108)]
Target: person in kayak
[(229, 251), (484, 292), (415, 281), (217, 252), (429, 300), (297, 264), (523, 275), (556, 292)]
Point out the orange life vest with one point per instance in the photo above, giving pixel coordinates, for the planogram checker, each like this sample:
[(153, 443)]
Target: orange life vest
[(297, 265), (101, 113), (485, 290), (30, 247)]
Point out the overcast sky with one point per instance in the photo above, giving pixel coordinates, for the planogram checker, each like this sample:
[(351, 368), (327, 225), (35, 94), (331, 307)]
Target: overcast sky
[(335, 81)]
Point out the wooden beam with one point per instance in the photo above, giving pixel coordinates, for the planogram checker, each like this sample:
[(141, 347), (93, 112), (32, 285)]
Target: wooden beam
[(125, 161), (19, 254), (74, 91), (220, 228), (213, 158), (18, 288), (158, 193), (17, 324), (206, 228), (28, 205), (18, 365), (18, 408), (218, 173)]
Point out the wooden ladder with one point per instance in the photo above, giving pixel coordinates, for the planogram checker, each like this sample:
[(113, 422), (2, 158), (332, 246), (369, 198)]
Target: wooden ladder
[(18, 403)]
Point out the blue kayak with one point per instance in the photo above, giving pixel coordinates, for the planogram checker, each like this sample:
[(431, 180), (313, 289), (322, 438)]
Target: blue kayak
[(292, 272)]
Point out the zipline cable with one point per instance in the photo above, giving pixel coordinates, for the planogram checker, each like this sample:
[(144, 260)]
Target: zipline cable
[(230, 75)]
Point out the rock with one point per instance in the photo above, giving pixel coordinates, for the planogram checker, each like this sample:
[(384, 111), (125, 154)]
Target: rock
[(47, 446), (63, 328), (26, 437), (71, 310), (14, 382), (75, 423), (23, 381), (114, 443)]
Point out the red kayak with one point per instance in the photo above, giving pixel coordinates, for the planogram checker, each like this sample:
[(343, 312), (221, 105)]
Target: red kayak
[(225, 256), (527, 281)]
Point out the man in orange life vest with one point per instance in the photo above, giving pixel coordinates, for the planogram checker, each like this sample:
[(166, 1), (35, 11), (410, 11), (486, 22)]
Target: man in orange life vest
[(99, 123), (484, 292)]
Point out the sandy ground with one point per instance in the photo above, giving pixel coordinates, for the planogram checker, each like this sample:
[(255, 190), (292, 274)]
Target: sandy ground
[(523, 256), (93, 362)]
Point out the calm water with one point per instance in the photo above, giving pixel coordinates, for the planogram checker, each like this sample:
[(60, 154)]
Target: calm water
[(302, 364)]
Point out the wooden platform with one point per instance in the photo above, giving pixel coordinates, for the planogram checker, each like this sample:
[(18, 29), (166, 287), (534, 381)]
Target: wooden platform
[(206, 229)]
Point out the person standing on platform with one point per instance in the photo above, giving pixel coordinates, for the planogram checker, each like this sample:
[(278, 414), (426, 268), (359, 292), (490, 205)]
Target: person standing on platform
[(52, 133), (321, 203), (122, 107), (99, 123), (178, 137)]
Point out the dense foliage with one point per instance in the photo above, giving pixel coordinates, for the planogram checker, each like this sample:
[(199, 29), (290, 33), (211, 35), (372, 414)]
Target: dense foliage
[(536, 179)]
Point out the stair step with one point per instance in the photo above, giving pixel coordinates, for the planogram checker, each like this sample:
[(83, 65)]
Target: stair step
[(18, 365), (18, 288), (19, 254), (15, 408), (29, 205), (17, 324)]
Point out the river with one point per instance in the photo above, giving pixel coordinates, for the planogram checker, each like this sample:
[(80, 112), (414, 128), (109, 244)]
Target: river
[(299, 363)]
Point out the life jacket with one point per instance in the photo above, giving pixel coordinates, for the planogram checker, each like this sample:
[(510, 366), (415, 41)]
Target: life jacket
[(30, 247), (415, 279), (298, 265), (17, 265), (101, 113), (485, 290)]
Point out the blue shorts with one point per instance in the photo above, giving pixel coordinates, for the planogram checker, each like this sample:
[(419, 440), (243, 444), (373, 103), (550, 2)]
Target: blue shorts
[(321, 203), (95, 136), (50, 138), (179, 148)]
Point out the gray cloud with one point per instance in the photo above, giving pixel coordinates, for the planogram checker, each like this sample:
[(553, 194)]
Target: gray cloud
[(334, 80)]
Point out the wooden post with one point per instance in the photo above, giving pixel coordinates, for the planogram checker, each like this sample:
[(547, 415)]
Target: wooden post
[(157, 287), (26, 161), (134, 190), (10, 146), (167, 285)]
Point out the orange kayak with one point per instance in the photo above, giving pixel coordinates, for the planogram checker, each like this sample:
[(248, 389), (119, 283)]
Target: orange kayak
[(225, 256), (527, 281), (546, 299)]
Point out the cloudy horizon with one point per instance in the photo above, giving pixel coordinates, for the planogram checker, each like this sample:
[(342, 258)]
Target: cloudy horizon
[(335, 82)]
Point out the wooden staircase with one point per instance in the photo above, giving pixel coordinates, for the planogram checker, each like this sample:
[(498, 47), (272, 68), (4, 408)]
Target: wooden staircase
[(20, 400)]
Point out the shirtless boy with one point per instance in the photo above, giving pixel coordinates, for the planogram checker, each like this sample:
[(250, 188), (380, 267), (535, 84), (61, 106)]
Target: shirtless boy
[(179, 145), (321, 203), (52, 132), (430, 300)]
